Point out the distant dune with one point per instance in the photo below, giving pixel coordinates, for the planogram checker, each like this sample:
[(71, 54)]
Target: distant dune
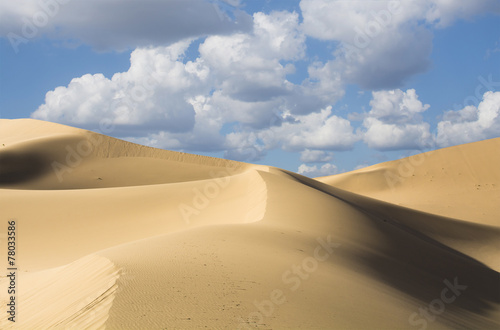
[(460, 182), (111, 234)]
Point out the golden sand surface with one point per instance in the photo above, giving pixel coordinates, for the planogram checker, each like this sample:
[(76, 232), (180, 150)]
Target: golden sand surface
[(111, 234)]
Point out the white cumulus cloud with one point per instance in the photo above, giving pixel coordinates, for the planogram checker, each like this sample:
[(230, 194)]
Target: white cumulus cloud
[(321, 130), (234, 92), (382, 43), (240, 80), (394, 121), (151, 95), (108, 25), (315, 156), (470, 123), (314, 171)]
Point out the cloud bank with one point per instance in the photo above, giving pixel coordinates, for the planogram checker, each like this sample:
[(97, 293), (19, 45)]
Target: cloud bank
[(238, 93), (107, 25)]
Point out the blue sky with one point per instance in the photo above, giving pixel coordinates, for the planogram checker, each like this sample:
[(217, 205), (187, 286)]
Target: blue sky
[(313, 86)]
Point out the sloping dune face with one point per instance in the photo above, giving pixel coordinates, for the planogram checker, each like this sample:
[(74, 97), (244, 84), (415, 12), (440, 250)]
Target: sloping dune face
[(461, 182), (42, 155), (119, 236)]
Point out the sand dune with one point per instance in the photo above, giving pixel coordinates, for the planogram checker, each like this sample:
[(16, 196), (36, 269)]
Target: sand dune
[(115, 235), (460, 182)]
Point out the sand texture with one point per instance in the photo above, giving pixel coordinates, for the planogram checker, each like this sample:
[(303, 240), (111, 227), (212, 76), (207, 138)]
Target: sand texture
[(111, 234)]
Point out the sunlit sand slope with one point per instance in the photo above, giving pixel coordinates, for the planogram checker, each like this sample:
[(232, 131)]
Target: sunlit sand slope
[(130, 237), (461, 182)]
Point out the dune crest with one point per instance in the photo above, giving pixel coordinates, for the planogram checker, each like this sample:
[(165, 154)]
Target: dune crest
[(119, 235), (72, 158), (461, 182)]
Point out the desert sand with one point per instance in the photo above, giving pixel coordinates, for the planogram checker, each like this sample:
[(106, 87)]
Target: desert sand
[(110, 234)]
